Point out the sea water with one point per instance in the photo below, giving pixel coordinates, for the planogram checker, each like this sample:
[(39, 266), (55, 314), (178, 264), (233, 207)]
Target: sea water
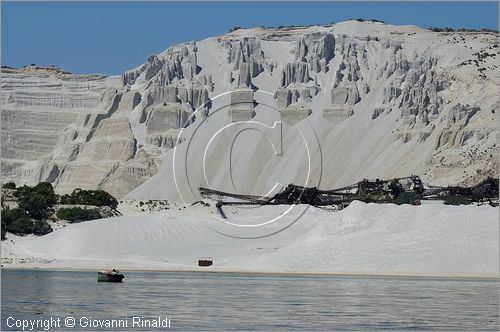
[(223, 301)]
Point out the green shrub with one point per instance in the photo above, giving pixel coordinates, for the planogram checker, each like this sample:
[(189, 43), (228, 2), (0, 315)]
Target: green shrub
[(38, 200), (20, 226), (448, 29), (21, 191), (41, 227), (77, 214), (457, 200), (9, 185), (17, 221), (407, 198), (366, 198), (65, 199), (90, 197), (368, 20), (11, 215)]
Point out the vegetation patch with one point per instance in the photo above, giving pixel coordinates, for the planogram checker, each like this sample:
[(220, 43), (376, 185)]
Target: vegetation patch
[(369, 20), (37, 201), (407, 197), (448, 29), (90, 197), (9, 185), (37, 204), (41, 227), (457, 200), (18, 222), (76, 214), (21, 226)]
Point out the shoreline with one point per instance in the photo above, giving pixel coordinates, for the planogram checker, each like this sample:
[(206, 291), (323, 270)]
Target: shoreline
[(408, 275)]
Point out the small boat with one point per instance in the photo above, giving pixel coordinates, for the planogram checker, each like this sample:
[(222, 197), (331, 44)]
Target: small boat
[(110, 276), (205, 261)]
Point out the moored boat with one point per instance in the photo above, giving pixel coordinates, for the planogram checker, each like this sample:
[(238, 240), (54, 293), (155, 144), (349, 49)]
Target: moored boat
[(110, 276)]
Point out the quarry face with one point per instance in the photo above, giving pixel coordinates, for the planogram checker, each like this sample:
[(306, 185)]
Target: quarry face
[(381, 101)]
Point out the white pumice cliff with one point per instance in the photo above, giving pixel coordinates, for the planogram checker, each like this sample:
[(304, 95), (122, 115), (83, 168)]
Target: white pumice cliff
[(356, 100)]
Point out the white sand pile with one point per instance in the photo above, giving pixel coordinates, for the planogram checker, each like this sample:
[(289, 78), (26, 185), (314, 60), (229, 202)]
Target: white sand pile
[(432, 239)]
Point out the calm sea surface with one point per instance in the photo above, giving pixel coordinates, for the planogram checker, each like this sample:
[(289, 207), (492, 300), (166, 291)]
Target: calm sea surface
[(207, 301)]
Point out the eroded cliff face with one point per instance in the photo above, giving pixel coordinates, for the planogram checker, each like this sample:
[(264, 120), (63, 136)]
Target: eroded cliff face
[(383, 101), (70, 130)]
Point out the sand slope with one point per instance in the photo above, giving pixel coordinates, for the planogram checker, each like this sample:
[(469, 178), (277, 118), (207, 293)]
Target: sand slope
[(363, 238)]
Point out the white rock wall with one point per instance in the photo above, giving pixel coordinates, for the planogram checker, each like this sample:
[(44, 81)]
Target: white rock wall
[(382, 100)]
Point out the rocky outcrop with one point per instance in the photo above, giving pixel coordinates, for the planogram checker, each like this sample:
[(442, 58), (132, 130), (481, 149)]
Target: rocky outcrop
[(161, 118), (246, 57), (455, 122)]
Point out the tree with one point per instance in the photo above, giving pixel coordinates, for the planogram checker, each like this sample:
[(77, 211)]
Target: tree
[(90, 197), (41, 227), (17, 221), (10, 222), (65, 199), (38, 200), (21, 226), (21, 191), (9, 185), (11, 215)]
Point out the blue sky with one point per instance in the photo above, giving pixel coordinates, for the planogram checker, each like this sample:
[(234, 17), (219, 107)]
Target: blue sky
[(111, 37)]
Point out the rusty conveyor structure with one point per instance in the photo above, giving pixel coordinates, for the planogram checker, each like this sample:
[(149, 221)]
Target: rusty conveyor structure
[(378, 190)]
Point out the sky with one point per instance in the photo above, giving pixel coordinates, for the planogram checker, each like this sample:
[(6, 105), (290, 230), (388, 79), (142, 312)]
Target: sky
[(112, 37)]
